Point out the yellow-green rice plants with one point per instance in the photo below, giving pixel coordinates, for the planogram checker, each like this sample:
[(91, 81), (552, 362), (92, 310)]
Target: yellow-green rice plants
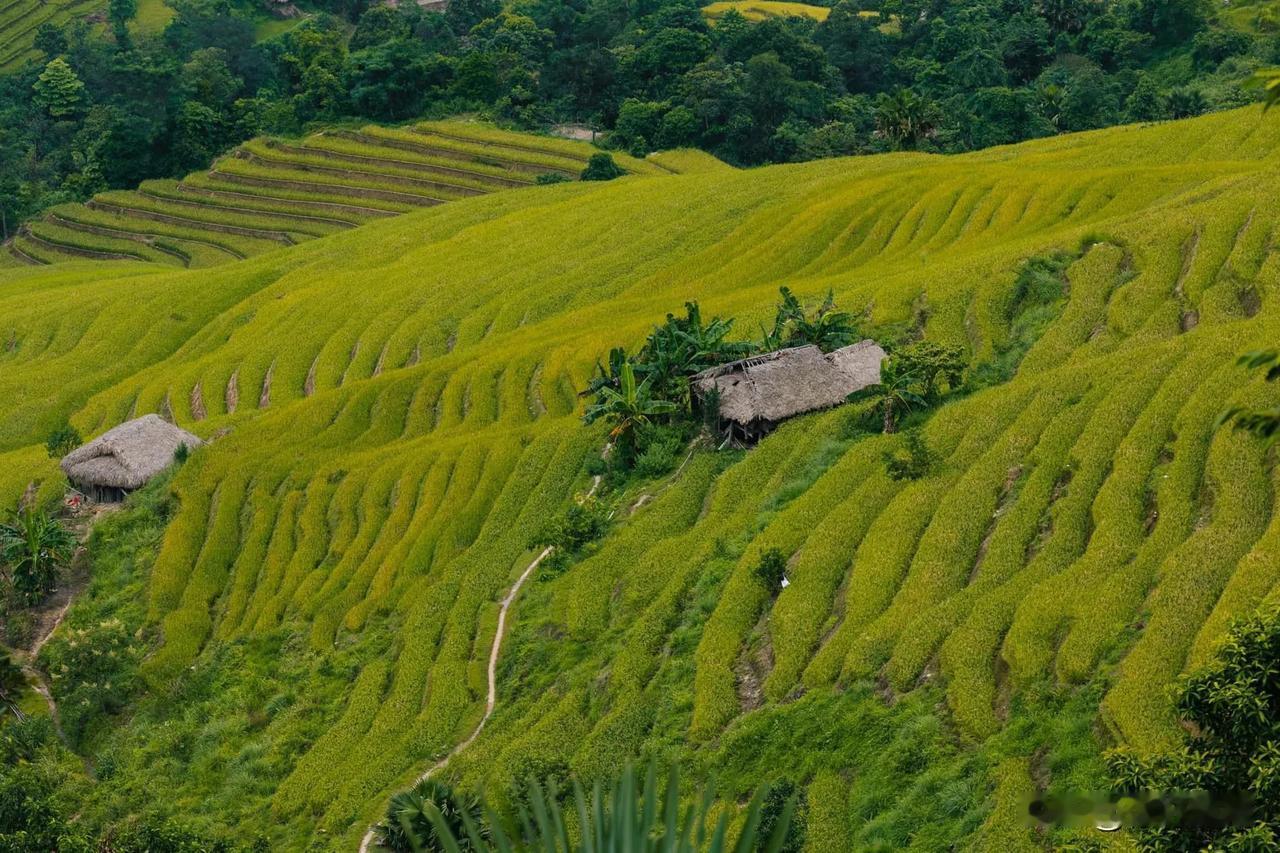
[(1008, 827), (300, 791), (1092, 280), (1028, 648), (245, 571), (1176, 423), (1191, 580), (828, 829), (279, 549)]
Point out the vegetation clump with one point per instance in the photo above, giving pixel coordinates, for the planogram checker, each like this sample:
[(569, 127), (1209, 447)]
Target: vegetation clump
[(601, 167), (1220, 789)]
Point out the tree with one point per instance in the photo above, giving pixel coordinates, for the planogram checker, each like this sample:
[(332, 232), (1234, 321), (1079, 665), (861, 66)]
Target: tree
[(895, 394), (906, 119), (33, 548), (1187, 102), (827, 328), (1230, 752), (683, 346), (50, 40), (934, 364), (119, 13), (601, 168), (628, 407), (58, 90), (770, 571)]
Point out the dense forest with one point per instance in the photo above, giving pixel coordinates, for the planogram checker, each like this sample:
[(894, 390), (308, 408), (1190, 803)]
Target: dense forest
[(875, 75)]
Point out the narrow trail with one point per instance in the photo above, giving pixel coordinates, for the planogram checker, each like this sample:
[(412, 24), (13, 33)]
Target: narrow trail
[(492, 699)]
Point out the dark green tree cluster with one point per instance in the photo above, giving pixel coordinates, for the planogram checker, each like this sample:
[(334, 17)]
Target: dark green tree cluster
[(108, 108)]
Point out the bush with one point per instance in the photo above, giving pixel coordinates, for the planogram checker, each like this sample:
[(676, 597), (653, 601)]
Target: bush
[(659, 451), (911, 462), (62, 441), (409, 824), (577, 526), (601, 168), (771, 569), (552, 178)]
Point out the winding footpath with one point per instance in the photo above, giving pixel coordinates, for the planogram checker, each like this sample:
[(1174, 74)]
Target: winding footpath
[(492, 699)]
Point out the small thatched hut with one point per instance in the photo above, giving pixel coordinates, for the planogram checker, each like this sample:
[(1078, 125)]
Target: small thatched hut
[(759, 392), (125, 458)]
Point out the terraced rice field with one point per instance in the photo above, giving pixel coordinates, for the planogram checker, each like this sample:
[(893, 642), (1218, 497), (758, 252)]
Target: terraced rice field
[(19, 20), (758, 10), (272, 193), (397, 417)]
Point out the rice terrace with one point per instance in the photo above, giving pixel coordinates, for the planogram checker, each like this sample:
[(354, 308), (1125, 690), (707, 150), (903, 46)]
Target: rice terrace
[(397, 475)]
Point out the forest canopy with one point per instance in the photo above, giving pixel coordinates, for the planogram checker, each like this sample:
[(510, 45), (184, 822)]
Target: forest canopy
[(875, 75)]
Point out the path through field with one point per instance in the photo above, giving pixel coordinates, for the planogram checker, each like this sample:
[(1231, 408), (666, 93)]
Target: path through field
[(492, 699)]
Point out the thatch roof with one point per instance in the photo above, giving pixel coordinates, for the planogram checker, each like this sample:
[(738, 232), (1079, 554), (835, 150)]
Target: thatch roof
[(789, 382), (129, 455)]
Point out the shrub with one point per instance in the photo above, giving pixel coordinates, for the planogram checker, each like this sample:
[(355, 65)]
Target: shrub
[(601, 168), (62, 441), (771, 569), (33, 548), (913, 461), (583, 522), (1232, 754), (552, 178)]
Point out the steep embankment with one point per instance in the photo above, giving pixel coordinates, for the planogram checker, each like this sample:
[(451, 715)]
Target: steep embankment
[(400, 416)]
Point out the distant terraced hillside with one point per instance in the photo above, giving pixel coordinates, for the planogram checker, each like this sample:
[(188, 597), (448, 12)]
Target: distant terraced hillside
[(271, 193), (19, 20), (397, 418)]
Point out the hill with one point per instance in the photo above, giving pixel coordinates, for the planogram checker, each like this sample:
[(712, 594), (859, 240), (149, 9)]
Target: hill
[(396, 419), (270, 193)]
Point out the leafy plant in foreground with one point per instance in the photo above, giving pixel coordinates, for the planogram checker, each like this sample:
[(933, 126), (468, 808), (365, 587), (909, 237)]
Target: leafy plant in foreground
[(1264, 423), (33, 547), (828, 328), (629, 816), (1230, 756), (409, 826)]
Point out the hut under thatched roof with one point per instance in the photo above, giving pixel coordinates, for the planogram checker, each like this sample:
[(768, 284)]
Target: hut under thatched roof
[(755, 394), (126, 457)]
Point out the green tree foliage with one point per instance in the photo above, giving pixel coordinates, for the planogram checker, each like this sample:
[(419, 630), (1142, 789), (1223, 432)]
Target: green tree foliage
[(1231, 755), (62, 441), (50, 40), (58, 90), (906, 119), (684, 346), (939, 366), (827, 328), (120, 13), (12, 681), (897, 393), (601, 168), (628, 407), (582, 523), (34, 547)]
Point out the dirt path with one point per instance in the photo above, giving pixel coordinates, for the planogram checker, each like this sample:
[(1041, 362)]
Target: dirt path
[(492, 699)]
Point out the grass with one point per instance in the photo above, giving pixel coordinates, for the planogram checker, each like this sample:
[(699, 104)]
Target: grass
[(396, 418)]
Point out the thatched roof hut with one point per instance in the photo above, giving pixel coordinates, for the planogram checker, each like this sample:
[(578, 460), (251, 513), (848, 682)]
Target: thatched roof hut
[(756, 393), (126, 457)]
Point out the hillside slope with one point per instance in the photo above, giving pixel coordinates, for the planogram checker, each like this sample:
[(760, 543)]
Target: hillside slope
[(270, 193), (397, 416)]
